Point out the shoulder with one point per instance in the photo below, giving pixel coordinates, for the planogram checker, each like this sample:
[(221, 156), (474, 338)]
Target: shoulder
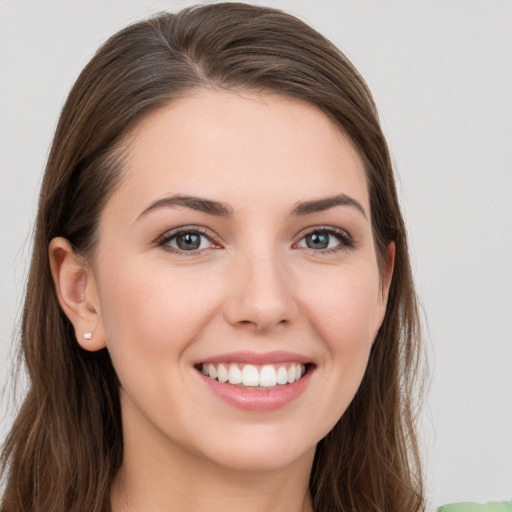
[(502, 506)]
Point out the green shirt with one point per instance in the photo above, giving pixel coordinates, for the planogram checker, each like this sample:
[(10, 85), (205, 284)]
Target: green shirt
[(503, 506)]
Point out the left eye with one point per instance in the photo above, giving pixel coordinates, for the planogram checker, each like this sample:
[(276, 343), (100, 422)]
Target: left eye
[(322, 240), (187, 241)]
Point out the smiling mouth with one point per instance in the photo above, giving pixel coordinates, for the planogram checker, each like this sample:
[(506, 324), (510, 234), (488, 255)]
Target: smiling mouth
[(255, 377)]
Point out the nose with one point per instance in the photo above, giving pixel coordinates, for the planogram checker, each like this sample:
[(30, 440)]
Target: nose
[(261, 293)]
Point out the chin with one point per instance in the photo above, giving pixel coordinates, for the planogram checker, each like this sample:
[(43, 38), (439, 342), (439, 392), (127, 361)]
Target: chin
[(261, 461), (268, 451)]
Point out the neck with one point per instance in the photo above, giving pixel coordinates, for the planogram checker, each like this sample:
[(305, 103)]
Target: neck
[(158, 476), (199, 488)]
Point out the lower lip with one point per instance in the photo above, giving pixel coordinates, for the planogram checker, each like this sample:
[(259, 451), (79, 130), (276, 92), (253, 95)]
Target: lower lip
[(258, 400)]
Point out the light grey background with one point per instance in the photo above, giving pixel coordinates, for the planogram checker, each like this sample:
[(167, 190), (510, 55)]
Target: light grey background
[(441, 73)]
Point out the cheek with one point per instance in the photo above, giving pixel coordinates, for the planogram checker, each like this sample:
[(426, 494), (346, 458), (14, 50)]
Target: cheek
[(341, 308), (153, 313), (345, 311)]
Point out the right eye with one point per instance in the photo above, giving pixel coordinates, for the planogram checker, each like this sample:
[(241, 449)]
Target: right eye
[(186, 241)]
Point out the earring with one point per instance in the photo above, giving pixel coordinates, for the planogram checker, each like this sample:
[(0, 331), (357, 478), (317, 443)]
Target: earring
[(88, 335)]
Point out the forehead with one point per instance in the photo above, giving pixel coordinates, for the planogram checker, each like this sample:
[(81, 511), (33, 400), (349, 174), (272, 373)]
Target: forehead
[(238, 146)]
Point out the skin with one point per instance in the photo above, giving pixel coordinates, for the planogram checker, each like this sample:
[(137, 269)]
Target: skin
[(253, 285)]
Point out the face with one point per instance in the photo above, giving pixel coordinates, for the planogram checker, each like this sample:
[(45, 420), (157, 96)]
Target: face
[(236, 279)]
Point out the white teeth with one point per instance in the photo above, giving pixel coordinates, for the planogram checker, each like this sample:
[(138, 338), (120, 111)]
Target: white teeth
[(222, 373), (282, 375), (250, 375), (212, 371), (235, 375), (268, 376), (291, 374)]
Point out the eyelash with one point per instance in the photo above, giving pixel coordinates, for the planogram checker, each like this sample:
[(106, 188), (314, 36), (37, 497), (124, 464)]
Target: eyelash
[(166, 238), (345, 240)]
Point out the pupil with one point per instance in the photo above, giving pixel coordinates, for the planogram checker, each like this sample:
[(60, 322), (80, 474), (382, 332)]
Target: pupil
[(189, 241), (318, 241)]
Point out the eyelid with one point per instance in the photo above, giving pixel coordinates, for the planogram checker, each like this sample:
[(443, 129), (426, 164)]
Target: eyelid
[(168, 235), (346, 240)]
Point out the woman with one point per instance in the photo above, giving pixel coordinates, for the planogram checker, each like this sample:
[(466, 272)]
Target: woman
[(220, 310)]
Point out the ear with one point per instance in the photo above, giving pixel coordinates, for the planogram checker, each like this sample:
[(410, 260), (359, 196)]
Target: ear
[(385, 283), (76, 290), (387, 275)]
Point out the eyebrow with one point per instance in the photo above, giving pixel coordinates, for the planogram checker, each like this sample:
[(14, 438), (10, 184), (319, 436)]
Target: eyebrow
[(195, 203), (320, 205), (220, 209)]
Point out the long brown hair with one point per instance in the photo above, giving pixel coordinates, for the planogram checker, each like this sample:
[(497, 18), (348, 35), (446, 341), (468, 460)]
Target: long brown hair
[(66, 443)]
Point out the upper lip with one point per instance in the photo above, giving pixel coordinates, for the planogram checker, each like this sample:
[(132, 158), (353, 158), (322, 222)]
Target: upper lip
[(247, 357)]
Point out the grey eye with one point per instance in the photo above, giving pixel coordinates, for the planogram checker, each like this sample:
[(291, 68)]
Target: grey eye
[(323, 239), (318, 240), (188, 241)]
